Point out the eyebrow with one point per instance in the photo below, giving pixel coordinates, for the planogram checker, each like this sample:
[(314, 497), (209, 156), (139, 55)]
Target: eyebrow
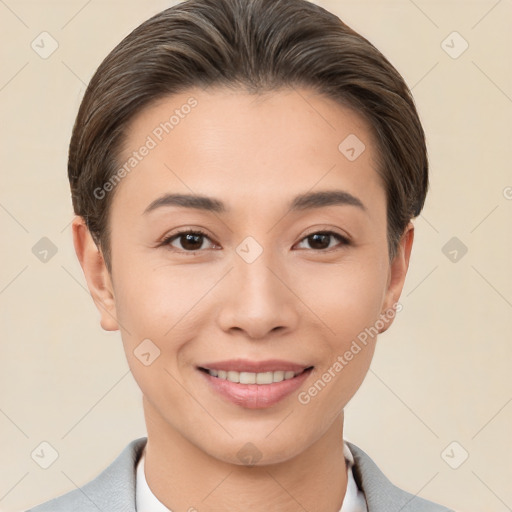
[(306, 201)]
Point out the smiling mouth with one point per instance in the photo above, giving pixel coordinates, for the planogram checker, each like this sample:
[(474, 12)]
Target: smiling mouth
[(254, 378)]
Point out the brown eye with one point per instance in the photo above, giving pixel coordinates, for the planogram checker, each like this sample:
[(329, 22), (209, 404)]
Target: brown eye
[(190, 241), (320, 241)]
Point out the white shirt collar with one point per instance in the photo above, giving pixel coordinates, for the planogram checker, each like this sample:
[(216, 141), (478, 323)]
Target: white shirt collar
[(146, 501)]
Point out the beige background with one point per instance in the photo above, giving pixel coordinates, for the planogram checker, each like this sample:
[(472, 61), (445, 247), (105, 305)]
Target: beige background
[(442, 372)]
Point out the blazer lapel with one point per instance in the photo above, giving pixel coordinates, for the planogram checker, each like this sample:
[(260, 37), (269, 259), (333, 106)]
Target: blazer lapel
[(113, 490), (381, 495)]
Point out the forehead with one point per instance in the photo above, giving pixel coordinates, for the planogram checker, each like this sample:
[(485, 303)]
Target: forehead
[(248, 149)]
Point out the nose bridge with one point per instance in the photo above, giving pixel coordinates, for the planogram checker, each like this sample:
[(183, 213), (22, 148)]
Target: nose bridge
[(259, 301), (255, 272), (259, 277)]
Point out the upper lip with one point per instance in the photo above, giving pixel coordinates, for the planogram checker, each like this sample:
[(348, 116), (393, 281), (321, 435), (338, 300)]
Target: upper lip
[(244, 365)]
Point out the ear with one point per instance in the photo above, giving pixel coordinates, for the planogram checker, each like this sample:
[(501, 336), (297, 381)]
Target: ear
[(396, 278), (96, 274)]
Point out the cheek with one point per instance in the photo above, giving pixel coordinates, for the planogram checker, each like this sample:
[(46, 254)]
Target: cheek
[(154, 299), (166, 306), (348, 300), (349, 304), (154, 312), (348, 297)]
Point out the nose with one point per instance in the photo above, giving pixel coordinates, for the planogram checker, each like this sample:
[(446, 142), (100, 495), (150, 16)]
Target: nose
[(258, 299)]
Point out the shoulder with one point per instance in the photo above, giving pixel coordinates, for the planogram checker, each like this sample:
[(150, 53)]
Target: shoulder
[(380, 493), (113, 489)]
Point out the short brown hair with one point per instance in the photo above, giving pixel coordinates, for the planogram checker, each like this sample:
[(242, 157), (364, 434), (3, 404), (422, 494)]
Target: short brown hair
[(261, 46)]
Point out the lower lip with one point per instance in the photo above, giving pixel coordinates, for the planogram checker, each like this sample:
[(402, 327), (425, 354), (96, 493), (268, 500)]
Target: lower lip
[(256, 396)]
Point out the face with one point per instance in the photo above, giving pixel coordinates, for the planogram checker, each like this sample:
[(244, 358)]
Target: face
[(284, 268)]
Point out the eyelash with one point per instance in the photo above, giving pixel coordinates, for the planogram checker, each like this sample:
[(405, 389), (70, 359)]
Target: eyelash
[(167, 241)]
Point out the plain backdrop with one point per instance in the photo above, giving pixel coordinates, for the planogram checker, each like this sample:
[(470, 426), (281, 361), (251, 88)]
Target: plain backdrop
[(439, 389)]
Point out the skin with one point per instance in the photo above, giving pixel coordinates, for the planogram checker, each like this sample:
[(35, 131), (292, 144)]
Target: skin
[(297, 301)]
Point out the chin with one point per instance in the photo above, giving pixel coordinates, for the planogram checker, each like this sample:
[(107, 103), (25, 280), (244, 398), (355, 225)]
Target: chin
[(253, 452)]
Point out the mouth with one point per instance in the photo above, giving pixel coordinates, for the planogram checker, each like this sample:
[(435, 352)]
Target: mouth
[(269, 377), (254, 385)]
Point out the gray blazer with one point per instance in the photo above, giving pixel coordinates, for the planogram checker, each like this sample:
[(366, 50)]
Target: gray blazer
[(113, 490)]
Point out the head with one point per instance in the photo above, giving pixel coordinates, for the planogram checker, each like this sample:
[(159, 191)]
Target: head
[(305, 148)]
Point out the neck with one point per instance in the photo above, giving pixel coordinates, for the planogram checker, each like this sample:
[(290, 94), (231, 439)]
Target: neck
[(185, 478)]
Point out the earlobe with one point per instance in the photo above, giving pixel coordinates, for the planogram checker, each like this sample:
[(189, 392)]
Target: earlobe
[(397, 273), (96, 274)]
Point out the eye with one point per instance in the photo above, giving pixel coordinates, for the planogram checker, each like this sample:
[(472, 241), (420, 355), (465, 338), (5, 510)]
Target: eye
[(320, 240), (190, 240)]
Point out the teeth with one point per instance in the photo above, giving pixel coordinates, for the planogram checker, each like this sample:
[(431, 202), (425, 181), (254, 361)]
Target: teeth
[(253, 378), (233, 376)]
